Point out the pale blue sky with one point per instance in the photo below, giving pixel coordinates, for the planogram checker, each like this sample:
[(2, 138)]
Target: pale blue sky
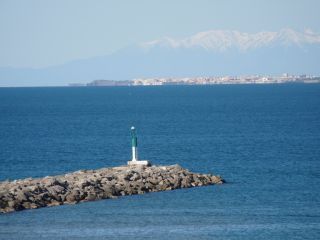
[(39, 33)]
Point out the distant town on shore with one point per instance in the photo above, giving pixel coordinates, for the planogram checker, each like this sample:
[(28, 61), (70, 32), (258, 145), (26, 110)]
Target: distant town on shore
[(254, 79)]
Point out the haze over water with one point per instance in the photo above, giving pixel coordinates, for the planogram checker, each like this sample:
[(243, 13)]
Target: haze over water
[(263, 139)]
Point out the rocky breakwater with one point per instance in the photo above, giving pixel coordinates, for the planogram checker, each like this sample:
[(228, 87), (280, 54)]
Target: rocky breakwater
[(90, 185)]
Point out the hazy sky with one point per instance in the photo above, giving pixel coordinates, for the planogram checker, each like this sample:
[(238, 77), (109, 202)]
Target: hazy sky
[(39, 33)]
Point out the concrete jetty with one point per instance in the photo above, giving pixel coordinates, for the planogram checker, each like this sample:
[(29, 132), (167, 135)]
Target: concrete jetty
[(90, 185)]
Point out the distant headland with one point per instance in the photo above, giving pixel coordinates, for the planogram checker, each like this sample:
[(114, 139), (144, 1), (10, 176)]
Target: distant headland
[(252, 79)]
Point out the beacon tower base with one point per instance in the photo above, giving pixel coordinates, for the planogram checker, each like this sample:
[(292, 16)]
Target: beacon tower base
[(140, 162)]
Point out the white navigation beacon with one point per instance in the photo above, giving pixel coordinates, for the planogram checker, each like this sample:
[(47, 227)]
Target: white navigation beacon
[(134, 142)]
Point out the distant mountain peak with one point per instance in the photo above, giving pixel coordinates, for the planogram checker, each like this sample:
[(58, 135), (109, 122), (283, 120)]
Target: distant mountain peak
[(221, 40), (211, 53)]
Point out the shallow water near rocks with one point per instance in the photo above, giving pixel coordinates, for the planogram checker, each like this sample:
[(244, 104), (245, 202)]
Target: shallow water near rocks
[(264, 140)]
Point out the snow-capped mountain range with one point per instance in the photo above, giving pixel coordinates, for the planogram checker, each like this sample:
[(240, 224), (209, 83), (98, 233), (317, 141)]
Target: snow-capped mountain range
[(210, 53), (221, 40)]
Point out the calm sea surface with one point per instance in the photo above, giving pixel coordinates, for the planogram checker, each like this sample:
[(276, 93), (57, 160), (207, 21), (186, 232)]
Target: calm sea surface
[(263, 139)]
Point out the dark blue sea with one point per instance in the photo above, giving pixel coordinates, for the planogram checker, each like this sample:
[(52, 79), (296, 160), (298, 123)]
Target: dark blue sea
[(263, 139)]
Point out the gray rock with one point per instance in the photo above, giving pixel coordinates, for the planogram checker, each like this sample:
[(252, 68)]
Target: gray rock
[(73, 196), (20, 196), (90, 185)]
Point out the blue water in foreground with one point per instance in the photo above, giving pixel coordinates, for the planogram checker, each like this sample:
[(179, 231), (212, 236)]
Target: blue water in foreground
[(263, 139)]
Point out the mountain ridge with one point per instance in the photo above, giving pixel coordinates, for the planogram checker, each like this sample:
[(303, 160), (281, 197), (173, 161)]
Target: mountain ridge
[(224, 39), (210, 53)]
